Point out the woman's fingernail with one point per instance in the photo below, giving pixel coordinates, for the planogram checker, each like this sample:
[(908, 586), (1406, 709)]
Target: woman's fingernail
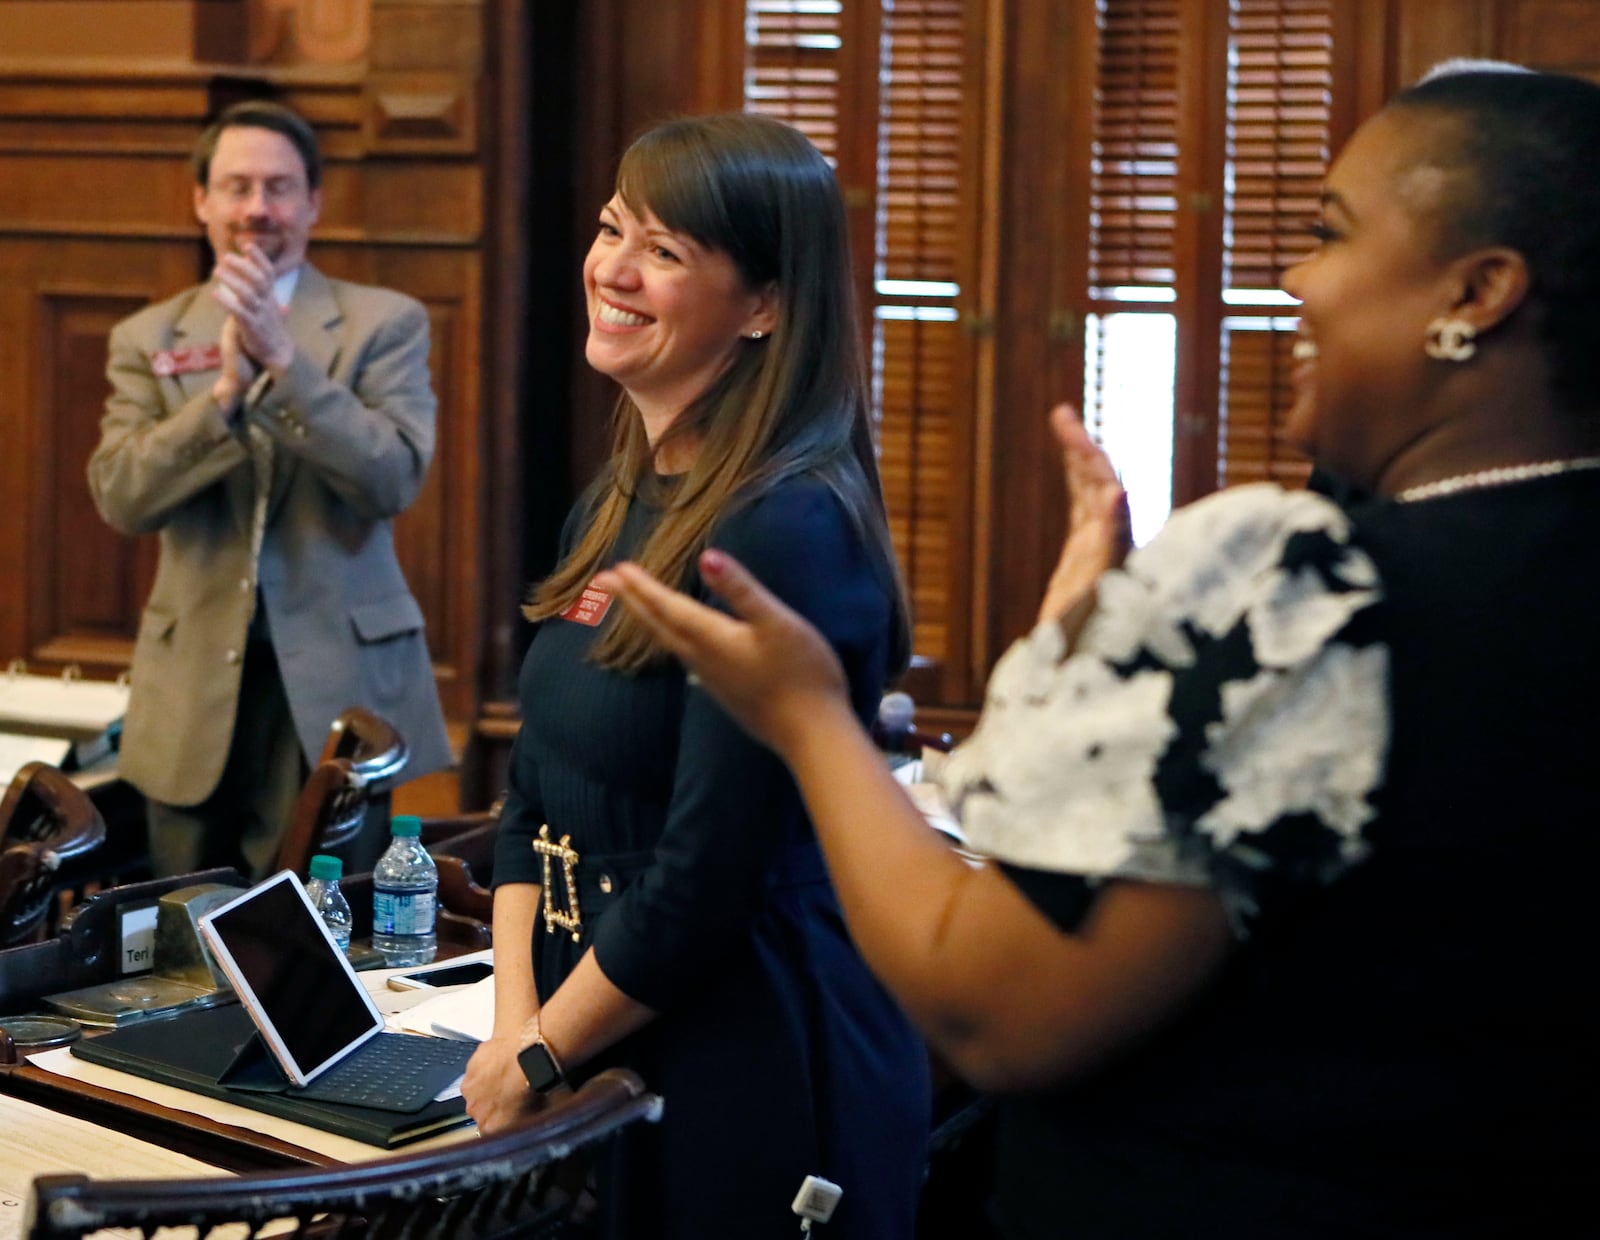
[(713, 561)]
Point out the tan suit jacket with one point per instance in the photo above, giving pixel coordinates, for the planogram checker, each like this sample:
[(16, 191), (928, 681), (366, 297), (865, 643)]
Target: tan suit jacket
[(353, 427)]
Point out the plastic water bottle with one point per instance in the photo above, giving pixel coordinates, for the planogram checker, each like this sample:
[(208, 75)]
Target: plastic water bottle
[(405, 886), (328, 900)]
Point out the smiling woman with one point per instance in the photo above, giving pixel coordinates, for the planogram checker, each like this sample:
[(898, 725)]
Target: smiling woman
[(667, 316), (688, 927), (1290, 814)]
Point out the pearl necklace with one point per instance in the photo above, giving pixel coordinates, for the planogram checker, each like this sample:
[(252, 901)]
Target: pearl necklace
[(1503, 475)]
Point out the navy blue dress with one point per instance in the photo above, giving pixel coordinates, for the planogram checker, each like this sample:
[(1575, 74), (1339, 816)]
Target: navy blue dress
[(703, 895)]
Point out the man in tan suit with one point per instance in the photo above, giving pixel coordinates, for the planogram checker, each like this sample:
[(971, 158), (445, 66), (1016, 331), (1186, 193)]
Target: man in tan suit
[(269, 424)]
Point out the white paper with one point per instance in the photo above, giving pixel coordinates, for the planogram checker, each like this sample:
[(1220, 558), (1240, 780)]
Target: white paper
[(465, 1013), (16, 751), (56, 702)]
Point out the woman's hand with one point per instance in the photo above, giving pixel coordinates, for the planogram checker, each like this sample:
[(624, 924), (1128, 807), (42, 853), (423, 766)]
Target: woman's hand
[(1098, 531), (769, 668), (496, 1092)]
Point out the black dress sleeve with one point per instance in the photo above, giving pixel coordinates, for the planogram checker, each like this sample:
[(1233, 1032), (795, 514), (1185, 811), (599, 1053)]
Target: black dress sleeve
[(734, 814)]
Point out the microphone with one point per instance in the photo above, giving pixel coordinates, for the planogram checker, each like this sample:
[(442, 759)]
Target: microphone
[(895, 721)]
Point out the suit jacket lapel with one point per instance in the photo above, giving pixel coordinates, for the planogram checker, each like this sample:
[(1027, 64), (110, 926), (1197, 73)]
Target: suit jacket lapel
[(201, 324), (314, 320)]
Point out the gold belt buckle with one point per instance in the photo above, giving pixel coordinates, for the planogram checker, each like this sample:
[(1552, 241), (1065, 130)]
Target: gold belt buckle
[(571, 918)]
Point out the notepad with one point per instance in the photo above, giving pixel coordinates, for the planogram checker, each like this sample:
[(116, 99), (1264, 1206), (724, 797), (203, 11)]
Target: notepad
[(463, 1012)]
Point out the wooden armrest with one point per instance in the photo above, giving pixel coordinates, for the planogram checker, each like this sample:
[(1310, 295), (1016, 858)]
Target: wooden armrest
[(460, 894)]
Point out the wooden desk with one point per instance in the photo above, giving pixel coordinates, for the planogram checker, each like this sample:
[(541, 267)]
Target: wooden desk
[(80, 956), (137, 1109), (37, 1141), (222, 1145)]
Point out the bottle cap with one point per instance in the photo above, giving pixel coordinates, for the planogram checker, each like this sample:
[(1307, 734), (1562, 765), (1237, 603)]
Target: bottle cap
[(405, 824), (326, 868)]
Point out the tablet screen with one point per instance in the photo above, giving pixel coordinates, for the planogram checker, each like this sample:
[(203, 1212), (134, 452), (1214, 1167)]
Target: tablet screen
[(302, 994)]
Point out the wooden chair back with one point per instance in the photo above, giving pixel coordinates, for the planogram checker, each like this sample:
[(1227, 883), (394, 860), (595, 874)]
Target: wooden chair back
[(509, 1184), (462, 847), (344, 807), (45, 820), (330, 812), (373, 745)]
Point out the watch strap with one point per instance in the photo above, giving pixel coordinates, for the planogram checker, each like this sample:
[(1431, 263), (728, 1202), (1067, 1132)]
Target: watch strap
[(538, 1062)]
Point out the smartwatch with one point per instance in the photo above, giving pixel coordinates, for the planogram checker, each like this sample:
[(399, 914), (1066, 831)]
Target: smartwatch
[(537, 1061)]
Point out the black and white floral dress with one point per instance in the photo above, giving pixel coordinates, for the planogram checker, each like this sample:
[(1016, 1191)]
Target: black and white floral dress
[(1372, 729), (1221, 720)]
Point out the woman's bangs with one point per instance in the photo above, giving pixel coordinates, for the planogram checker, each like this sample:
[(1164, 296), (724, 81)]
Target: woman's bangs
[(677, 184)]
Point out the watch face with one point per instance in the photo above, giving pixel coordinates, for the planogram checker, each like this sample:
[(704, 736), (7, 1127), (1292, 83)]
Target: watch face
[(539, 1066)]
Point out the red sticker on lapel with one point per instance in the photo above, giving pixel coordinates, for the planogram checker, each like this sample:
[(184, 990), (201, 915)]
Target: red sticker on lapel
[(187, 361), (590, 607)]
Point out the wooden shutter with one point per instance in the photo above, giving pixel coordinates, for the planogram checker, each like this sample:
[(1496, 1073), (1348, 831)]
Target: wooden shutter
[(792, 66), (917, 341), (1279, 121), (1255, 394), (1134, 154), (1133, 252), (911, 58), (1159, 116)]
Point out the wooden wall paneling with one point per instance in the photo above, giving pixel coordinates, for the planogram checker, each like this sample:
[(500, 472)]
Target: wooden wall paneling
[(605, 116), (1369, 26), (41, 31), (89, 195), (422, 88), (962, 678), (74, 588), (1428, 31), (1202, 106), (1560, 35), (96, 219), (296, 31), (642, 61), (1020, 504), (514, 155), (93, 580)]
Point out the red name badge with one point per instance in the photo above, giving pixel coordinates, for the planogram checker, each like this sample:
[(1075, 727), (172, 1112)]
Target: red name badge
[(590, 608), (187, 361)]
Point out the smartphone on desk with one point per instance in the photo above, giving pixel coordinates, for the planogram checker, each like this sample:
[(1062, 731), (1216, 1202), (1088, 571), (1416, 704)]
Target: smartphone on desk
[(443, 975)]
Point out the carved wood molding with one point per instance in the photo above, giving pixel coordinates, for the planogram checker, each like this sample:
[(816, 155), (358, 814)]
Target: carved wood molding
[(421, 112), (319, 31)]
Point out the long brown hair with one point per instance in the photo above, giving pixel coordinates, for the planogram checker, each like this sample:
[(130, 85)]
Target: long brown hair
[(793, 404)]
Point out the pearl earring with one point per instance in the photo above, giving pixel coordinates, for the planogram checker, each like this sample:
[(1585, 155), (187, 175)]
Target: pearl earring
[(1450, 340), (757, 334)]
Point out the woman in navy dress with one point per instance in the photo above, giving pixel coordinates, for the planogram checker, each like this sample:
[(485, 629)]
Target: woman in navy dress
[(657, 860), (1292, 813)]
